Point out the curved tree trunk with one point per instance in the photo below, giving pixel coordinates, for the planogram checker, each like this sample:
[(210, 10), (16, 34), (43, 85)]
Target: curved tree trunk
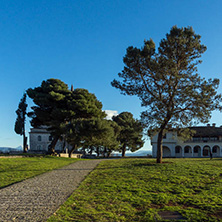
[(109, 153), (71, 151), (159, 147), (51, 150), (90, 150), (160, 139)]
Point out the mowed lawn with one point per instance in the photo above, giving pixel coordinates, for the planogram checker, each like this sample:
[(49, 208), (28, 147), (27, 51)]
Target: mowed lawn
[(13, 170), (138, 189)]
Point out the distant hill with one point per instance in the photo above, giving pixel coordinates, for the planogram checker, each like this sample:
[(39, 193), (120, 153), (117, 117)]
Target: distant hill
[(10, 149), (138, 153)]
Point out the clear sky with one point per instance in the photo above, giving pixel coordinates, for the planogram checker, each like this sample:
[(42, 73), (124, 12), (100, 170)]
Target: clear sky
[(82, 42)]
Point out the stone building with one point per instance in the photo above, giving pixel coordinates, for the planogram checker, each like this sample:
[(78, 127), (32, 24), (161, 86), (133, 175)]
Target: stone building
[(206, 140), (40, 139)]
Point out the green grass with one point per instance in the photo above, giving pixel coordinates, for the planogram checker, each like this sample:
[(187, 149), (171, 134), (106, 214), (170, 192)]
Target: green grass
[(137, 189), (13, 170)]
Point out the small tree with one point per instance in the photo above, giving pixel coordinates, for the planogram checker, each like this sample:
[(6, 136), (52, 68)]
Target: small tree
[(20, 121), (131, 132), (167, 83)]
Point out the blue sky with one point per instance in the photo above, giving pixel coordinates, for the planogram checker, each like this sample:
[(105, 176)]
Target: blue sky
[(83, 42)]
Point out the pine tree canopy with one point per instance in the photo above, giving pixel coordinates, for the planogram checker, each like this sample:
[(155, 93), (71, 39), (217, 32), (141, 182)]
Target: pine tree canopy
[(92, 132), (131, 132), (167, 82), (56, 106)]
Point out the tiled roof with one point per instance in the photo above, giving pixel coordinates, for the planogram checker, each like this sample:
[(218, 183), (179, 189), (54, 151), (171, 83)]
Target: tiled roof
[(205, 131)]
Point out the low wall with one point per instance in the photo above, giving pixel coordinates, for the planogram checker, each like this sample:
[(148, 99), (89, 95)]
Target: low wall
[(72, 156)]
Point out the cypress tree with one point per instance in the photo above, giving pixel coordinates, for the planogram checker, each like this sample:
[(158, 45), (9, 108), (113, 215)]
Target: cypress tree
[(20, 121)]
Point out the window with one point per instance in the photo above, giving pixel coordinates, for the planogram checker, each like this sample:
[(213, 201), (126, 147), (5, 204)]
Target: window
[(39, 138), (213, 138), (205, 139), (50, 138), (196, 138)]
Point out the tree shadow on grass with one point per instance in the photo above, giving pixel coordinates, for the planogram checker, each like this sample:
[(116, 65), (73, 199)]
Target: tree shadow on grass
[(207, 158), (15, 170), (150, 164)]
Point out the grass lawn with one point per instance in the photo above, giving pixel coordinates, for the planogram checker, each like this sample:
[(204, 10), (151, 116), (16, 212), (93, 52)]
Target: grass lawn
[(137, 189), (13, 170)]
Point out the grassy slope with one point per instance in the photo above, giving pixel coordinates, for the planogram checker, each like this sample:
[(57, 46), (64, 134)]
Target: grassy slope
[(17, 169), (136, 189)]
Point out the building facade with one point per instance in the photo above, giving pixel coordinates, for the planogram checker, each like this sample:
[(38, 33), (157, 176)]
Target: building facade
[(206, 140), (40, 139)]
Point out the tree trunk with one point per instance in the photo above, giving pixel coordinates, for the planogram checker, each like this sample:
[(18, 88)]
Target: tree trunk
[(104, 152), (83, 150), (71, 151), (159, 147), (109, 153), (24, 142), (51, 149), (63, 145), (90, 150), (123, 150), (97, 151)]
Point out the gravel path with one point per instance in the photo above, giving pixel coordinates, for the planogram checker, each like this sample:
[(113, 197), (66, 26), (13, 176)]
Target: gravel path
[(38, 198)]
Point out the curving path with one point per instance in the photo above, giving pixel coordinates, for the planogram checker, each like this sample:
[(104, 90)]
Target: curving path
[(38, 198)]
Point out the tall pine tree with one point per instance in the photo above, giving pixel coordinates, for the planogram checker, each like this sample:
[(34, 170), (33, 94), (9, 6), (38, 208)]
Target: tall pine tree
[(168, 84), (20, 121)]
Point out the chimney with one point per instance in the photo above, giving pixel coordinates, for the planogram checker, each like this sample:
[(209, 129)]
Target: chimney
[(214, 124), (72, 88)]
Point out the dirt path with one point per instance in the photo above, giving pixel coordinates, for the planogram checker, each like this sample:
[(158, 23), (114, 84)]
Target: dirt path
[(38, 198)]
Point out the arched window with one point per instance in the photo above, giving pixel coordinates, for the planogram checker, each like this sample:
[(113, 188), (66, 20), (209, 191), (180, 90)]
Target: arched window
[(39, 138), (177, 149), (215, 148), (187, 149), (166, 151), (206, 151), (196, 149)]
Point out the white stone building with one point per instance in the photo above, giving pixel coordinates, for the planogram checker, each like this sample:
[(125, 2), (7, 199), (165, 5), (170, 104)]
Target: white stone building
[(206, 139), (40, 139)]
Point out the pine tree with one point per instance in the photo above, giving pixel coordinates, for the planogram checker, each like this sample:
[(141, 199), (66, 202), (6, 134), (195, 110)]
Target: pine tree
[(56, 106), (131, 132), (20, 121), (168, 84)]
